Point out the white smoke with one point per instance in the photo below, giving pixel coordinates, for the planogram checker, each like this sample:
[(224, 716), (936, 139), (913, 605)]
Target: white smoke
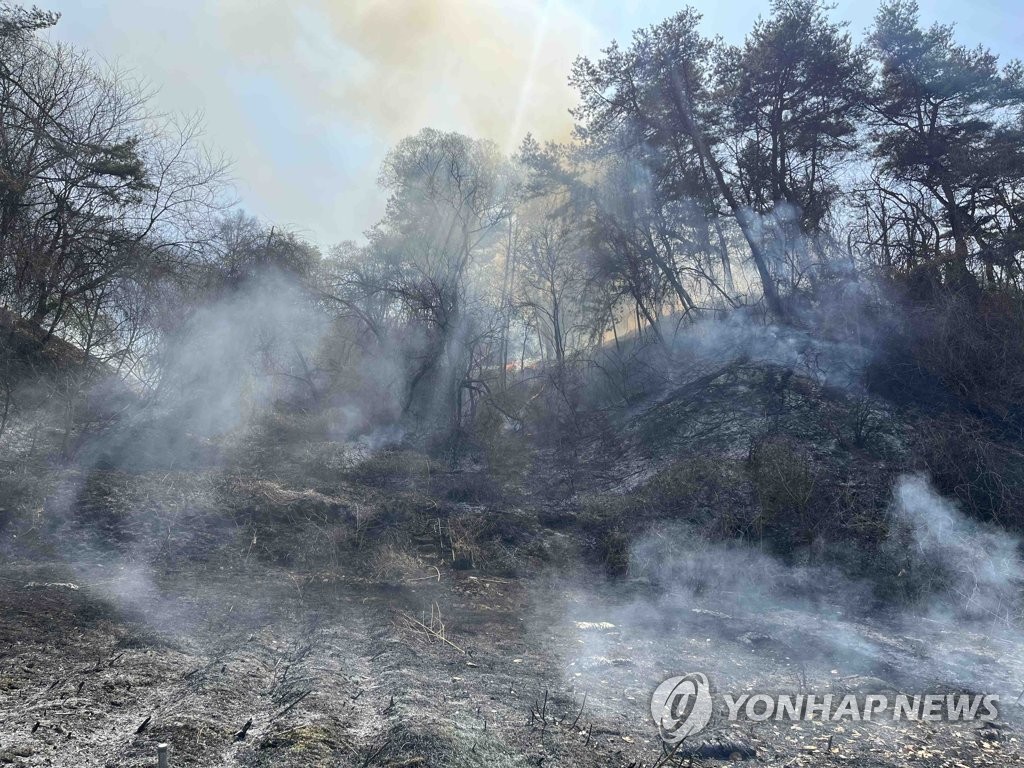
[(982, 567)]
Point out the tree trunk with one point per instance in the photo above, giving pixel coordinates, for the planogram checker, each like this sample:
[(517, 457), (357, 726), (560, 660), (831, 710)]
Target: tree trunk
[(770, 289)]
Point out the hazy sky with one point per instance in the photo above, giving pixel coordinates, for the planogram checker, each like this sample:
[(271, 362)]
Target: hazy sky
[(306, 96)]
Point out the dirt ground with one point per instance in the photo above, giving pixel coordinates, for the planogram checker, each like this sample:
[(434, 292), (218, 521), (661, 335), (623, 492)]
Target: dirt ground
[(263, 667)]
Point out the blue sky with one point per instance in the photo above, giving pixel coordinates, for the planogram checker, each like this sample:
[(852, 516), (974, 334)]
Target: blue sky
[(306, 96)]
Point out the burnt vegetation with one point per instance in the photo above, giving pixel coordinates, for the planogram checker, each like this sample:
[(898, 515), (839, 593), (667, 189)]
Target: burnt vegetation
[(762, 285)]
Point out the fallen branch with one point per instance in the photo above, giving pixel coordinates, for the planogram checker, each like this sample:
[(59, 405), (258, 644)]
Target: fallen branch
[(291, 706), (435, 629)]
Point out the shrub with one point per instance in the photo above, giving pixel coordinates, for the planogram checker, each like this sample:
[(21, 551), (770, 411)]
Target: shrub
[(466, 487), (976, 347), (967, 462), (700, 489), (614, 549), (956, 349), (793, 504)]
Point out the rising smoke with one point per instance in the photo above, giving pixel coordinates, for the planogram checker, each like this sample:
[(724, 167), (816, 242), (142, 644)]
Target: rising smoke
[(734, 610)]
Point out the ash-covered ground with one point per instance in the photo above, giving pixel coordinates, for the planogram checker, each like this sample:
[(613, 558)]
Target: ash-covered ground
[(292, 602), (260, 666)]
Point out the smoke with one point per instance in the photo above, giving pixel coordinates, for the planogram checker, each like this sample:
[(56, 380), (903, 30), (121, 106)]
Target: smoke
[(980, 568), (119, 527), (236, 355), (747, 618), (838, 363), (493, 69)]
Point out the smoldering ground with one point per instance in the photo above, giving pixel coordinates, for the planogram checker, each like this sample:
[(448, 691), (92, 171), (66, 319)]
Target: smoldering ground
[(718, 386), (752, 622), (229, 366), (246, 574)]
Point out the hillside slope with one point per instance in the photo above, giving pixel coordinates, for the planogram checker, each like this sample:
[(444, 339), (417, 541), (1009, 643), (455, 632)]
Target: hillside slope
[(509, 604)]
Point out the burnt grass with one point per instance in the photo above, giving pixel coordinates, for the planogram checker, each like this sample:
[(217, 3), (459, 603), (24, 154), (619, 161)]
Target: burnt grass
[(299, 602)]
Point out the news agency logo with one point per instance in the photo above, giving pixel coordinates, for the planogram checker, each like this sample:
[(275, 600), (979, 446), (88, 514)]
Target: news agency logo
[(682, 706)]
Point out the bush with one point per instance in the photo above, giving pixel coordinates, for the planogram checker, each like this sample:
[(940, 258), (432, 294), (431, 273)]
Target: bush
[(967, 462), (614, 550), (466, 487), (702, 490), (956, 350), (794, 508), (697, 489)]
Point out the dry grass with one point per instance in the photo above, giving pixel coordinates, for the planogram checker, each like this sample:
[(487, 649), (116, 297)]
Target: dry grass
[(393, 565)]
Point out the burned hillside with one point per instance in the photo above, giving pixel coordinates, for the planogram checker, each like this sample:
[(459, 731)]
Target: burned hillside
[(508, 598), (694, 438)]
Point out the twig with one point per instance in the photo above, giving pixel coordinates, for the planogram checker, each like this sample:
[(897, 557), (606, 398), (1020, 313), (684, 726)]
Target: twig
[(579, 714), (427, 578), (375, 754), (436, 630), (289, 708), (664, 760)]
